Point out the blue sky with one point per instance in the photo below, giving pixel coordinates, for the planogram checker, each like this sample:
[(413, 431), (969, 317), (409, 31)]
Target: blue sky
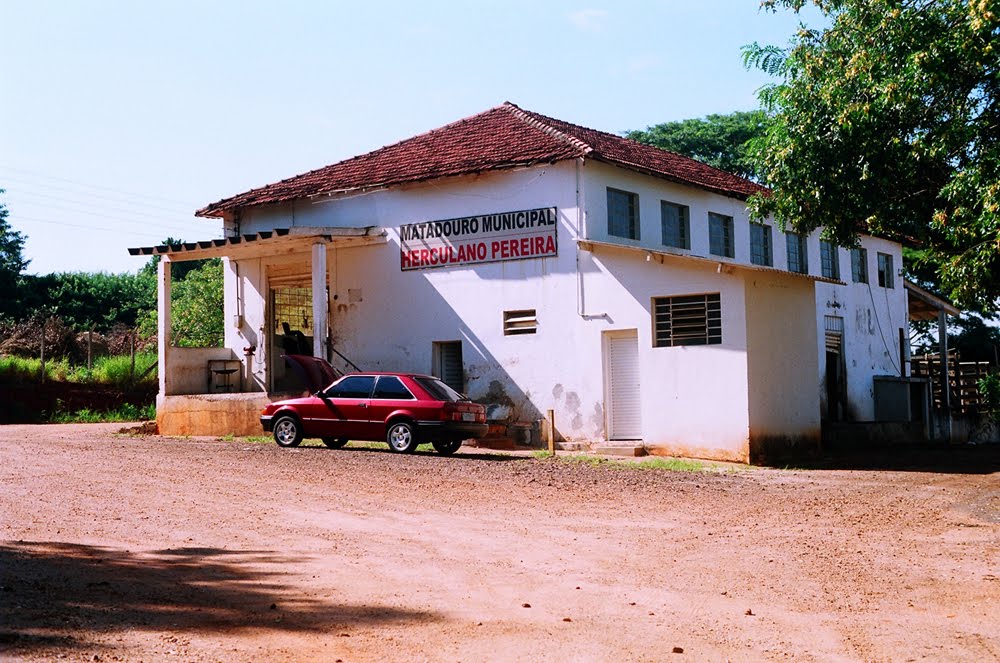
[(120, 119)]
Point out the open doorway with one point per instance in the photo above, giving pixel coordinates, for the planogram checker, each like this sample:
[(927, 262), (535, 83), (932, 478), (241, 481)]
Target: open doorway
[(290, 332)]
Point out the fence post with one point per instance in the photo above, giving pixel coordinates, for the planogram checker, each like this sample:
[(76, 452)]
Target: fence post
[(44, 325), (90, 349)]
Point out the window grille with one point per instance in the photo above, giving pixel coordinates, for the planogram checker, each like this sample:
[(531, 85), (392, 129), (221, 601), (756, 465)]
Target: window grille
[(294, 306), (885, 271), (760, 245), (687, 320), (623, 214), (798, 257), (720, 235), (519, 322), (859, 265), (829, 260), (675, 225)]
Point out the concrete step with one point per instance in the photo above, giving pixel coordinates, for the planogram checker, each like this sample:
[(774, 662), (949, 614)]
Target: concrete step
[(630, 450), (572, 446)]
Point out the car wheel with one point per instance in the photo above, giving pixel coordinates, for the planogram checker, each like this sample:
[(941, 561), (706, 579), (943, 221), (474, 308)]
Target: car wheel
[(334, 442), (401, 436), (287, 431), (447, 448)]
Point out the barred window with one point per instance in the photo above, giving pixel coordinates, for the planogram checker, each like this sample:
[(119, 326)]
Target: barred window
[(675, 226), (687, 320), (623, 214), (760, 244), (720, 235)]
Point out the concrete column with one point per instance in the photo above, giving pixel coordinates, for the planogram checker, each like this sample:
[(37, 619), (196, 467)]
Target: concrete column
[(945, 381), (163, 322), (320, 301)]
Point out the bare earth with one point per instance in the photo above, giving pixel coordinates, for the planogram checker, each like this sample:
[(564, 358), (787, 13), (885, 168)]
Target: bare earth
[(118, 547)]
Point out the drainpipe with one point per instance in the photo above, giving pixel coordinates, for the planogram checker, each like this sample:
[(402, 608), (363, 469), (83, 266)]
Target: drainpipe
[(581, 232)]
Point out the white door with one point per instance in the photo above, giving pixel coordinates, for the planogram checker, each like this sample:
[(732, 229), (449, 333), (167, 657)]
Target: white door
[(621, 385)]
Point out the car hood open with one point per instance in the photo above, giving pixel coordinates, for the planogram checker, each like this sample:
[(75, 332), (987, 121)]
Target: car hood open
[(315, 373)]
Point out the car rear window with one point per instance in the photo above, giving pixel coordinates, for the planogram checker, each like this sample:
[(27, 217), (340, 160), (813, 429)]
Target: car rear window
[(439, 390), (389, 387)]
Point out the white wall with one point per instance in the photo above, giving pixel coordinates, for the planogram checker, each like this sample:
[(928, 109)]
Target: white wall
[(872, 318), (781, 351)]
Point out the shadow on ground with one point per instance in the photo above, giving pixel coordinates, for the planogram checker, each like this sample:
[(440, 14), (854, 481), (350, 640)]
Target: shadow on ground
[(63, 595), (940, 458)]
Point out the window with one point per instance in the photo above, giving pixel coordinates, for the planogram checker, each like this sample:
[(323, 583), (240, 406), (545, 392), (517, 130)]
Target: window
[(447, 358), (720, 235), (355, 386), (829, 259), (674, 221), (390, 387), (859, 265), (885, 271), (519, 322), (798, 258), (687, 320), (760, 244), (623, 214), (439, 390)]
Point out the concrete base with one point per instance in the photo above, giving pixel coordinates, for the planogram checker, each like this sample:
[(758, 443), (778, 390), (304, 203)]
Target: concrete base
[(210, 414)]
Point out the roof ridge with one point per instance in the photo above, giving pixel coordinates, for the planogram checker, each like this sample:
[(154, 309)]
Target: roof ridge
[(535, 120), (543, 118)]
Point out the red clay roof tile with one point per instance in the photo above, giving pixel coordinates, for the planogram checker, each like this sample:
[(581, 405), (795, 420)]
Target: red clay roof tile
[(502, 137)]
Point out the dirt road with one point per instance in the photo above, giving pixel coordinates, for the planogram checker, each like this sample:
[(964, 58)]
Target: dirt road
[(117, 547)]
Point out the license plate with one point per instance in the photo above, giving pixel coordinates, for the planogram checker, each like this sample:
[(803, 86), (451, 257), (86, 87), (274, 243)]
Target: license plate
[(468, 416)]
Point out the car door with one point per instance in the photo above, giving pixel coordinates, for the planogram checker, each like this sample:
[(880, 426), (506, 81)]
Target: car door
[(344, 411), (390, 396)]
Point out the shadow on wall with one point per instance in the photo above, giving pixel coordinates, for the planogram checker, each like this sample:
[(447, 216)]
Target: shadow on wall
[(374, 331), (60, 594)]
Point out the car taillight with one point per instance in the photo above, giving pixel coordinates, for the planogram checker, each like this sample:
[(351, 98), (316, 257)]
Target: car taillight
[(463, 412)]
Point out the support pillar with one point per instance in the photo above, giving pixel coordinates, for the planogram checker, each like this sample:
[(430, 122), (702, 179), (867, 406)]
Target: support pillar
[(320, 300), (163, 323)]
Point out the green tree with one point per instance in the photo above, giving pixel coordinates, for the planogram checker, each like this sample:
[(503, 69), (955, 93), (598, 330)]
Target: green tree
[(888, 122), (197, 307), (12, 262), (718, 140)]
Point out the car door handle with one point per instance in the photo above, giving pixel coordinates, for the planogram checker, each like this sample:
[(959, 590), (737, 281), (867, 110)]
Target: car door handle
[(362, 404)]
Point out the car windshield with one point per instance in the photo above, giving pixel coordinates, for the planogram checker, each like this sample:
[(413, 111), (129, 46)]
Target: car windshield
[(439, 390)]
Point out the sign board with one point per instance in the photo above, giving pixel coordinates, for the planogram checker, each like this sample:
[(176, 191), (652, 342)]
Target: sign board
[(479, 239)]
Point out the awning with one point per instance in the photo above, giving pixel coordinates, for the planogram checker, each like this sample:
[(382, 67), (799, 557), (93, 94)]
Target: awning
[(265, 243), (724, 266), (925, 305)]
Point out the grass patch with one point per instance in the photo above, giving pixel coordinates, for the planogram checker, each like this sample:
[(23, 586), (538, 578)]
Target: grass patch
[(114, 371), (126, 412), (645, 464)]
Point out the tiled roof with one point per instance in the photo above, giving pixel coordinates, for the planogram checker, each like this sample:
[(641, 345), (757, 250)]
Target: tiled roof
[(502, 137)]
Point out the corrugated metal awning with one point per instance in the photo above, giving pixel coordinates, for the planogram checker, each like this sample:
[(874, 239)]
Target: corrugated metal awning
[(265, 242)]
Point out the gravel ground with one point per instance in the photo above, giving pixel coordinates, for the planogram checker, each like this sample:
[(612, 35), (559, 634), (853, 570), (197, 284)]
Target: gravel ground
[(121, 547)]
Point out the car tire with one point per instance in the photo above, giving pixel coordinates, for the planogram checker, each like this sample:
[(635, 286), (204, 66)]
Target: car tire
[(335, 442), (401, 437), (287, 431), (447, 448)]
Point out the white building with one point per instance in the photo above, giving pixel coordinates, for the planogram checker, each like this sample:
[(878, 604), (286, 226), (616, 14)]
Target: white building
[(538, 265)]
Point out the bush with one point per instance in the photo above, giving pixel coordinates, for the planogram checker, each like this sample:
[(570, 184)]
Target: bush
[(989, 390)]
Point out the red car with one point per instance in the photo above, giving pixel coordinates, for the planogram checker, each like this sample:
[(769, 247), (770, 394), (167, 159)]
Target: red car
[(404, 409)]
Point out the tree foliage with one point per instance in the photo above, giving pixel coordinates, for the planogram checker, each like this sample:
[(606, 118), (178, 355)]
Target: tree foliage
[(888, 122), (197, 310), (12, 261), (718, 140)]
